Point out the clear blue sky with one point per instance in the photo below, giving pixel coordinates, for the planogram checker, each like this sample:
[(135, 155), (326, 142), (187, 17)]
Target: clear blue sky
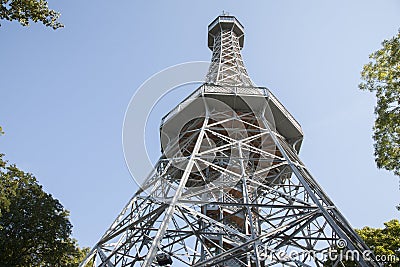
[(64, 93)]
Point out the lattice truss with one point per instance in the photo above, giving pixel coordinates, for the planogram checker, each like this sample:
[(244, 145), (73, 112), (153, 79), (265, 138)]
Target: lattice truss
[(227, 67), (233, 192)]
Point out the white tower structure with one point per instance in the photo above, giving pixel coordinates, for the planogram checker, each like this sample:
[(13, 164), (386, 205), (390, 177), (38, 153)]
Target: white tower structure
[(229, 188)]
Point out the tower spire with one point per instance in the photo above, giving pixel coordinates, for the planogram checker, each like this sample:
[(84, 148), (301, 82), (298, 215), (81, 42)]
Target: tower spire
[(225, 40)]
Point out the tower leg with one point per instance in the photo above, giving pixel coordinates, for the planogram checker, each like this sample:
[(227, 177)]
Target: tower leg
[(172, 205)]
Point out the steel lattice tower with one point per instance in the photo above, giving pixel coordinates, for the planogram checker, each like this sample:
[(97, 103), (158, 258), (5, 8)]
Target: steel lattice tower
[(229, 188)]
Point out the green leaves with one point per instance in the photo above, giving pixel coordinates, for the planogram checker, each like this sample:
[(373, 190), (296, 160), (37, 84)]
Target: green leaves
[(8, 186), (382, 76), (34, 227), (25, 11), (383, 242)]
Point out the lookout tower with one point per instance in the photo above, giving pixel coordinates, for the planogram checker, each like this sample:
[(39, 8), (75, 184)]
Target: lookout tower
[(229, 188)]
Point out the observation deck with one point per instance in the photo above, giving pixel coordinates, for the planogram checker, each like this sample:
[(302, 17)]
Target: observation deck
[(239, 98), (225, 23)]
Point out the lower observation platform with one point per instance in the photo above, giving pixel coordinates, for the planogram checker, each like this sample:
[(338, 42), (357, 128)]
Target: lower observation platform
[(238, 98)]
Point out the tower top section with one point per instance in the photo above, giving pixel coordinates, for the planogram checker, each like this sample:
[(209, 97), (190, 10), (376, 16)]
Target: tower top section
[(226, 39), (225, 23)]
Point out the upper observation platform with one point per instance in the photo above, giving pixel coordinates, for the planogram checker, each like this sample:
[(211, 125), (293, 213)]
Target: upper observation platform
[(227, 23)]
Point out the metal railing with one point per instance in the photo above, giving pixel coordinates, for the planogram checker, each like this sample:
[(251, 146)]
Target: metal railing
[(235, 90)]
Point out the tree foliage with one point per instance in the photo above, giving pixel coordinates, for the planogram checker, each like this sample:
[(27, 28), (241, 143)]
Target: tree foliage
[(382, 76), (8, 186), (35, 229), (25, 11), (383, 242)]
